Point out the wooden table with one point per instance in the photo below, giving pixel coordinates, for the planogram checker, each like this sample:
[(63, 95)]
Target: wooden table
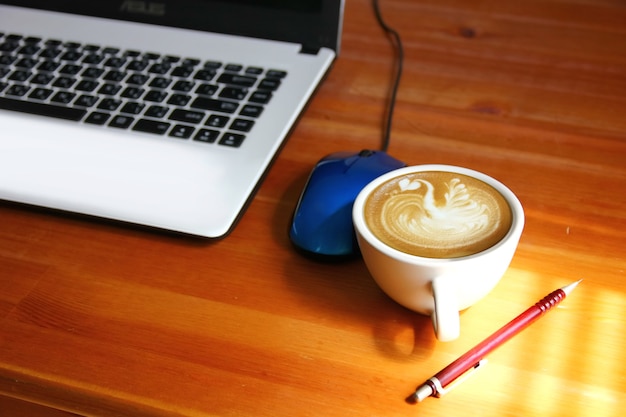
[(99, 319)]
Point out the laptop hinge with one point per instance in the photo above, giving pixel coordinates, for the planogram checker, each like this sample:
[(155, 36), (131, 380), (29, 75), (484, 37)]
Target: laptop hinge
[(309, 50)]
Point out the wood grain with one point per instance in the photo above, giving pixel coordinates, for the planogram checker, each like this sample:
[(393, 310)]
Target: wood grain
[(100, 319)]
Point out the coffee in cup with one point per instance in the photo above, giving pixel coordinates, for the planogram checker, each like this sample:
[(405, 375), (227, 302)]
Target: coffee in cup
[(437, 214), (437, 238)]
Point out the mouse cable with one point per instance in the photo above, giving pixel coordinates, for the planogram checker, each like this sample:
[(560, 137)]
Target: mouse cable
[(397, 42)]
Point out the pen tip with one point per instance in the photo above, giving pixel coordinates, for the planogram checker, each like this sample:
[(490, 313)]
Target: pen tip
[(411, 399), (569, 288)]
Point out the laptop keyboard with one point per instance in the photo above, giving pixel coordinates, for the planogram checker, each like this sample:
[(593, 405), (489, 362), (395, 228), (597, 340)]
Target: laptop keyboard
[(179, 97)]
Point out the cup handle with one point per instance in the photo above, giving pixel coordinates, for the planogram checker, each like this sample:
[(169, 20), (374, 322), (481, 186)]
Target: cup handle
[(445, 315)]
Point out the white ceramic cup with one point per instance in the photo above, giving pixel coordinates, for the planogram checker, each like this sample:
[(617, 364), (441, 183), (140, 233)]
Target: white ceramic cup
[(437, 287)]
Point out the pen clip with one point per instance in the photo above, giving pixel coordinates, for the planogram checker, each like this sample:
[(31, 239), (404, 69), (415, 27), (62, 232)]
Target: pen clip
[(439, 390)]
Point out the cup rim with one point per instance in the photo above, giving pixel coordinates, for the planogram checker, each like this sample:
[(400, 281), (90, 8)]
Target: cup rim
[(361, 228)]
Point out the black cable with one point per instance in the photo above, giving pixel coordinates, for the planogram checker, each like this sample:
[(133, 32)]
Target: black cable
[(397, 43)]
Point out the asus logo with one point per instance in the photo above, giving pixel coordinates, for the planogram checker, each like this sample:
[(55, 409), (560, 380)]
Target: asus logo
[(143, 7)]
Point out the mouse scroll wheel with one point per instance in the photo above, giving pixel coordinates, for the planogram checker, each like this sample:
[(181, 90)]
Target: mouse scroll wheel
[(366, 153)]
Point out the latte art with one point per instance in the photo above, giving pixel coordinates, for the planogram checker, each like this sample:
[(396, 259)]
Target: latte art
[(438, 214)]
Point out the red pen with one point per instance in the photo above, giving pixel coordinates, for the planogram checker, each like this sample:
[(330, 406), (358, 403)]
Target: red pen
[(474, 358)]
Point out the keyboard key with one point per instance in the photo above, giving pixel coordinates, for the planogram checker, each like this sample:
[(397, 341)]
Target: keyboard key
[(132, 93), (182, 131), (97, 118), (234, 79), (156, 111), (121, 122), (214, 105), (207, 135), (179, 100), (187, 116), (160, 82), (59, 112), (217, 120), (17, 90), (40, 94), (269, 84), (261, 97), (251, 110), (151, 126), (86, 100), (155, 96), (109, 89), (63, 97), (235, 93), (207, 89), (184, 86), (232, 139), (276, 74), (132, 108), (109, 104), (242, 125)]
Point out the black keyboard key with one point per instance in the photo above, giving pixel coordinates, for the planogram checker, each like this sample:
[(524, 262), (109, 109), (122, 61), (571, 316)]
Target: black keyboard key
[(71, 56), (137, 65), (179, 100), (217, 120), (60, 112), (42, 78), (187, 116), (92, 72), (26, 63), (115, 62), (207, 89), (86, 100), (137, 79), (204, 75), (182, 72), (160, 68), (64, 82), (48, 66), (86, 85), (214, 105), (109, 104), (261, 97), (40, 94), (132, 108), (155, 96), (251, 110), (63, 97), (97, 118), (182, 85), (160, 82), (93, 59), (269, 84), (151, 126), (242, 125), (233, 67), (121, 122), (235, 93), (156, 111), (182, 131), (207, 135), (20, 75), (115, 76), (109, 89), (276, 74), (132, 93), (17, 90), (232, 139), (235, 79), (70, 69)]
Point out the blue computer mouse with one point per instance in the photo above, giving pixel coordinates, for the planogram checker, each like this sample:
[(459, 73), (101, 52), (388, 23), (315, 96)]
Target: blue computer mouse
[(322, 221)]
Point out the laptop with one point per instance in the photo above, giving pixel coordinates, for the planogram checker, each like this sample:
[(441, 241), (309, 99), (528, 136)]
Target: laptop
[(163, 113)]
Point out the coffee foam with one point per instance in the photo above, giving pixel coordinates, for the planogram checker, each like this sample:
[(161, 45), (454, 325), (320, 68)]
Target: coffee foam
[(437, 214)]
